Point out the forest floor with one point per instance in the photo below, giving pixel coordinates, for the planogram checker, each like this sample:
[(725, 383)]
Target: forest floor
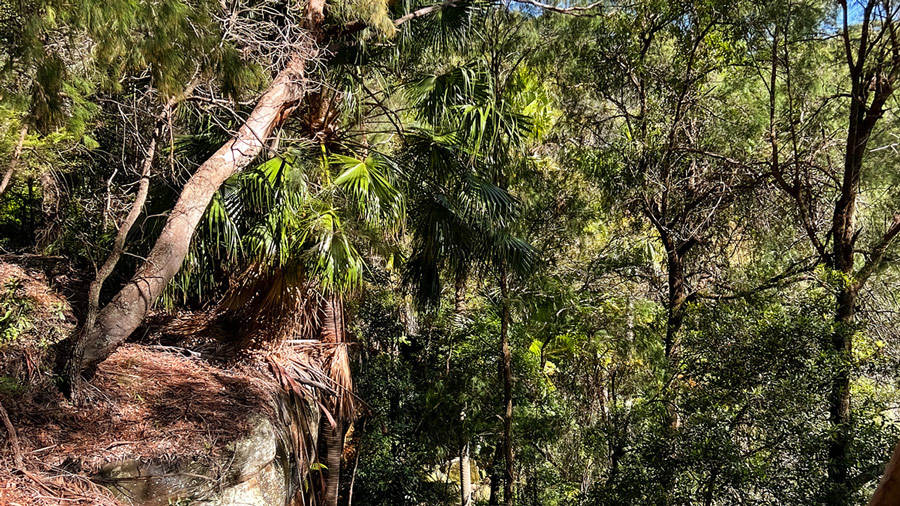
[(148, 401)]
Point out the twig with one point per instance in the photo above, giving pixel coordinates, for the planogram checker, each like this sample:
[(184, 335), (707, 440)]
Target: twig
[(13, 439)]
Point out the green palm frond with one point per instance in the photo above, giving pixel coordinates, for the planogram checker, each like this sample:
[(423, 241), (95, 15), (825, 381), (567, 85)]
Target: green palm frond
[(447, 28), (367, 184)]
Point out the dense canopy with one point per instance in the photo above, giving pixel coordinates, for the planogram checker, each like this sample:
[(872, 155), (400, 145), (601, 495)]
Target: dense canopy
[(628, 252)]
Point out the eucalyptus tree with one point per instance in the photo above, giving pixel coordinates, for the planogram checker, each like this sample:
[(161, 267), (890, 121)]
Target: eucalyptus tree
[(127, 309), (822, 159)]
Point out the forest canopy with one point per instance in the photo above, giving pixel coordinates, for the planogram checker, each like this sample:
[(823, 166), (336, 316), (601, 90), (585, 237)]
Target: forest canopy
[(521, 252)]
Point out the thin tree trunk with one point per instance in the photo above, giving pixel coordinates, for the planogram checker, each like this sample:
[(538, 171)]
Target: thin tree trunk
[(72, 371), (13, 439), (4, 183), (493, 497), (465, 471), (465, 476), (49, 210), (356, 464), (506, 366), (118, 319)]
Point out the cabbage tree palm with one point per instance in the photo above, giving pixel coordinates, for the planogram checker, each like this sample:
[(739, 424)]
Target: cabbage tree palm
[(469, 137), (295, 226)]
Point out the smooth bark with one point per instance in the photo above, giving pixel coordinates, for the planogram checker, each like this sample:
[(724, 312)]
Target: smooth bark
[(17, 153), (888, 491), (127, 310), (465, 476)]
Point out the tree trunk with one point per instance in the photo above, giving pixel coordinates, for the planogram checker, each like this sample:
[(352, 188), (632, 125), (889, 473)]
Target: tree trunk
[(843, 231), (332, 440), (49, 210), (493, 497), (129, 307), (839, 396), (77, 346), (888, 491), (465, 476), (675, 316), (506, 368), (4, 183)]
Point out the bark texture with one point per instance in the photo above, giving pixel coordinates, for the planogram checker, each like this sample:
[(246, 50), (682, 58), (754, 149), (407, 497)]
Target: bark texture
[(871, 87), (129, 307), (73, 368), (331, 449)]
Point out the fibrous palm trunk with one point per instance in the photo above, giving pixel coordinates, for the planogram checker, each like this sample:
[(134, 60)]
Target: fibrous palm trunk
[(331, 447)]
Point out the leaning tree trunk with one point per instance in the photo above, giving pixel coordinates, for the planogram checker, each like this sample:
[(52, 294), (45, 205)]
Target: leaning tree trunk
[(129, 307), (14, 162), (888, 491), (72, 368)]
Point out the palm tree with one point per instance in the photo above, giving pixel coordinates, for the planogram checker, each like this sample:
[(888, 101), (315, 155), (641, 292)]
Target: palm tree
[(462, 215)]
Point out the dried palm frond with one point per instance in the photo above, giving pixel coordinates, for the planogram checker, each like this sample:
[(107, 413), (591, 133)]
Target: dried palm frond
[(270, 307), (337, 359)]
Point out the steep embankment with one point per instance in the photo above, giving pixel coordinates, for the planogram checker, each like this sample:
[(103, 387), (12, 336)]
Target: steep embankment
[(164, 424)]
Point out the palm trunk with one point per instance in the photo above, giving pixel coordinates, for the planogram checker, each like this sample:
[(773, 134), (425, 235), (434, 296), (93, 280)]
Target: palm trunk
[(506, 368), (4, 183), (332, 442)]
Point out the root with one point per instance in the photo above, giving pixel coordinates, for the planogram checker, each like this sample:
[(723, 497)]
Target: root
[(13, 439)]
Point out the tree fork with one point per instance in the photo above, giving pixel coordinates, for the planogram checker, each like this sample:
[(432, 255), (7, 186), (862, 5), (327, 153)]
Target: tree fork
[(115, 322), (72, 379)]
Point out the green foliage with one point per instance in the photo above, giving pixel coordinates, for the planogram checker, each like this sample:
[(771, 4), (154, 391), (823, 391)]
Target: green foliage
[(15, 312)]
